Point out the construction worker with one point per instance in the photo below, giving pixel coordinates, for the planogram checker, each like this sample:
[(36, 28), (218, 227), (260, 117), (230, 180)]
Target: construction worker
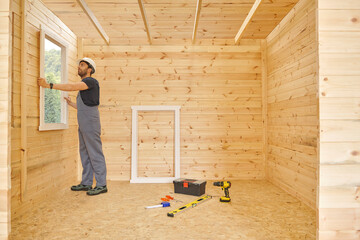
[(90, 145)]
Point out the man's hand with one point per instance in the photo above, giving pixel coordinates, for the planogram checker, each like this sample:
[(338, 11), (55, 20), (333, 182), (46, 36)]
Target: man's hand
[(68, 100), (72, 104), (42, 82)]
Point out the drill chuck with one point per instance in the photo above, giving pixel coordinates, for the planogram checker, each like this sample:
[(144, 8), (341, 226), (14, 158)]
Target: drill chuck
[(219, 184)]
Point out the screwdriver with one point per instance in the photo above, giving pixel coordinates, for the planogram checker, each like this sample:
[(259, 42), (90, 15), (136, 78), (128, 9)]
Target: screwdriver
[(163, 204)]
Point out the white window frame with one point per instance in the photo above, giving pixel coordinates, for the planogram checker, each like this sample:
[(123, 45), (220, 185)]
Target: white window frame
[(47, 34), (134, 144)]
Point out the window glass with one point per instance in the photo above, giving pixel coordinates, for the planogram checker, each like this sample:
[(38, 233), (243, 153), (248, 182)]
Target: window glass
[(52, 67)]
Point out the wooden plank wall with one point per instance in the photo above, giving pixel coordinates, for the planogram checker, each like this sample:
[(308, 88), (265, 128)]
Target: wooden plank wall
[(219, 90), (5, 99), (292, 103), (52, 155), (339, 93)]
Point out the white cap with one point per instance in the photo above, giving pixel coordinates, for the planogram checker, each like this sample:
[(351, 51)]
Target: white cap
[(89, 61)]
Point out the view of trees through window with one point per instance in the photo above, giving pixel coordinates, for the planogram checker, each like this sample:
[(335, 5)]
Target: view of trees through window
[(52, 75)]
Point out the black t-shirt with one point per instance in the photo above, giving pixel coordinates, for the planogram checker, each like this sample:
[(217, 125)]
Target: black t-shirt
[(91, 96)]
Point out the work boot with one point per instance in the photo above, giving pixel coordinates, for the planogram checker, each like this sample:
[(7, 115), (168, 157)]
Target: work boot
[(81, 187), (97, 190)]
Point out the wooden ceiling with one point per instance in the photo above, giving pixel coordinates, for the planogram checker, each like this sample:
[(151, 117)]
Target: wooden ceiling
[(169, 21)]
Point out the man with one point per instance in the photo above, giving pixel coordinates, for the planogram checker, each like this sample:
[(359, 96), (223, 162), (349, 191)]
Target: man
[(87, 102)]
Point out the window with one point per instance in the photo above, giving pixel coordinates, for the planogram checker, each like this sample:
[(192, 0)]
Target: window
[(53, 67), (134, 144)]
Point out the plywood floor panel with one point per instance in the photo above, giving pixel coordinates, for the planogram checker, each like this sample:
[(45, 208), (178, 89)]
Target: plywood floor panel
[(258, 210)]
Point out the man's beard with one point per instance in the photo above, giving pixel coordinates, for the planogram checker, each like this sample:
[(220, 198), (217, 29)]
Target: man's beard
[(82, 73)]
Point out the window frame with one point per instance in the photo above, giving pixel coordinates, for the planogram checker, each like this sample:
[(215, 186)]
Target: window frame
[(134, 144), (47, 34)]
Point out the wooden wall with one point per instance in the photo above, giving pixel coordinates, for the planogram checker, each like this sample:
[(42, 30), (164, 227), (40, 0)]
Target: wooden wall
[(292, 103), (5, 99), (219, 90), (339, 93), (51, 155)]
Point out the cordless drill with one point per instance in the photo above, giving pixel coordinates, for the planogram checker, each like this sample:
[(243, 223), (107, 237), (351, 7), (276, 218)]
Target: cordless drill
[(225, 185)]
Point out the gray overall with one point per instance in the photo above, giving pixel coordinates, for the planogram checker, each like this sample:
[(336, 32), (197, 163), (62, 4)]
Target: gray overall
[(92, 157)]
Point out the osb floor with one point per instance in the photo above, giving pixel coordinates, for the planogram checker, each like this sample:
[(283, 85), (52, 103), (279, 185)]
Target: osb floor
[(258, 210)]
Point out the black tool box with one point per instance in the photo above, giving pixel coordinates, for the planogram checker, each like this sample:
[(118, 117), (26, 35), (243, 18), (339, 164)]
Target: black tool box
[(189, 186)]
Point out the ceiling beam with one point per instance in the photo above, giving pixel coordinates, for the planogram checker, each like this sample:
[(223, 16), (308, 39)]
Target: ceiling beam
[(197, 16), (143, 14), (94, 20), (247, 21)]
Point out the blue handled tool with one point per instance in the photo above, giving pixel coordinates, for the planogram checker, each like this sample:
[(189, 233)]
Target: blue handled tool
[(163, 204)]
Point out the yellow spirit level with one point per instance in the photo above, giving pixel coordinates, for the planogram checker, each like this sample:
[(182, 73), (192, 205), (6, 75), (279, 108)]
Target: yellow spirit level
[(189, 205)]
